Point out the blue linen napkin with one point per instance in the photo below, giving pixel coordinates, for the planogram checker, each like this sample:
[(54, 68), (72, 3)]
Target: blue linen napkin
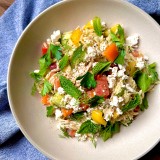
[(13, 145)]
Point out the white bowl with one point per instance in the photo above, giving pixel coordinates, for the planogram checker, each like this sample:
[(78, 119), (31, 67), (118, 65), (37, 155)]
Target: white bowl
[(133, 141)]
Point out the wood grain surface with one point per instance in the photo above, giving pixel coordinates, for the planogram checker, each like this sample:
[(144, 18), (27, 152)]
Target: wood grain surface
[(4, 4)]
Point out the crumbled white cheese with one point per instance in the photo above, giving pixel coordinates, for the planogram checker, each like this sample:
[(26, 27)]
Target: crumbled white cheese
[(120, 73), (140, 63), (56, 36), (58, 114), (103, 46), (73, 102), (129, 88), (60, 90), (108, 113), (48, 41), (119, 112), (103, 24), (114, 101), (94, 63), (120, 99), (111, 81), (90, 50), (114, 71), (146, 58), (81, 89), (36, 71), (132, 40), (67, 98)]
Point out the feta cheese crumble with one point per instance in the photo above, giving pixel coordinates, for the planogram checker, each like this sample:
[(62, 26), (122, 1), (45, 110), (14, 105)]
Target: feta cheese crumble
[(140, 63), (58, 114), (55, 36), (132, 40), (60, 90)]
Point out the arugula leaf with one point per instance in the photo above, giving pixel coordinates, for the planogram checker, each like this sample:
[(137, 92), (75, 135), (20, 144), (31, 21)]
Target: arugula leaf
[(56, 51), (100, 67), (77, 56), (50, 110), (132, 104), (65, 133), (64, 62), (89, 127), (47, 87), (88, 80), (120, 58), (77, 116), (97, 26), (144, 104), (69, 87), (95, 101)]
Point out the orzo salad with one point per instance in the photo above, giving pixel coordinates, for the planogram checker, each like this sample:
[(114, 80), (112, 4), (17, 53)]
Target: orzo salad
[(93, 79)]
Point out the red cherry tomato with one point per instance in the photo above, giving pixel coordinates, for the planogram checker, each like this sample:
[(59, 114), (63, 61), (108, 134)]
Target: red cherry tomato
[(102, 88), (44, 48)]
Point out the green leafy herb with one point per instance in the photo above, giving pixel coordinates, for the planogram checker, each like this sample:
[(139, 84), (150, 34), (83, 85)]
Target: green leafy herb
[(116, 127), (36, 76), (119, 37), (109, 130), (100, 67), (106, 133), (97, 26), (144, 104), (89, 127), (34, 89), (143, 81), (133, 103), (69, 87), (44, 62), (153, 75), (64, 62), (94, 142), (120, 58), (47, 87), (77, 56), (77, 116), (146, 78), (50, 110), (88, 80), (64, 132), (56, 51), (96, 100)]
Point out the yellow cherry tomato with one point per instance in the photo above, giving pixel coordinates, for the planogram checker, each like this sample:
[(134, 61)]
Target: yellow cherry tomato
[(75, 36), (114, 29), (96, 115), (89, 25)]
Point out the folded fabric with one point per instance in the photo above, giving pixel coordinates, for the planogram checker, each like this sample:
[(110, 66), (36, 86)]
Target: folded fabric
[(14, 146)]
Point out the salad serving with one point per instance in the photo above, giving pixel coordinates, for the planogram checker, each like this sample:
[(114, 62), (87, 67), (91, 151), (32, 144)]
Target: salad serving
[(93, 79)]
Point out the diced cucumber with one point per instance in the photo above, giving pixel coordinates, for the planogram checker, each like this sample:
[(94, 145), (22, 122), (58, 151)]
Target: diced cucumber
[(57, 99)]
